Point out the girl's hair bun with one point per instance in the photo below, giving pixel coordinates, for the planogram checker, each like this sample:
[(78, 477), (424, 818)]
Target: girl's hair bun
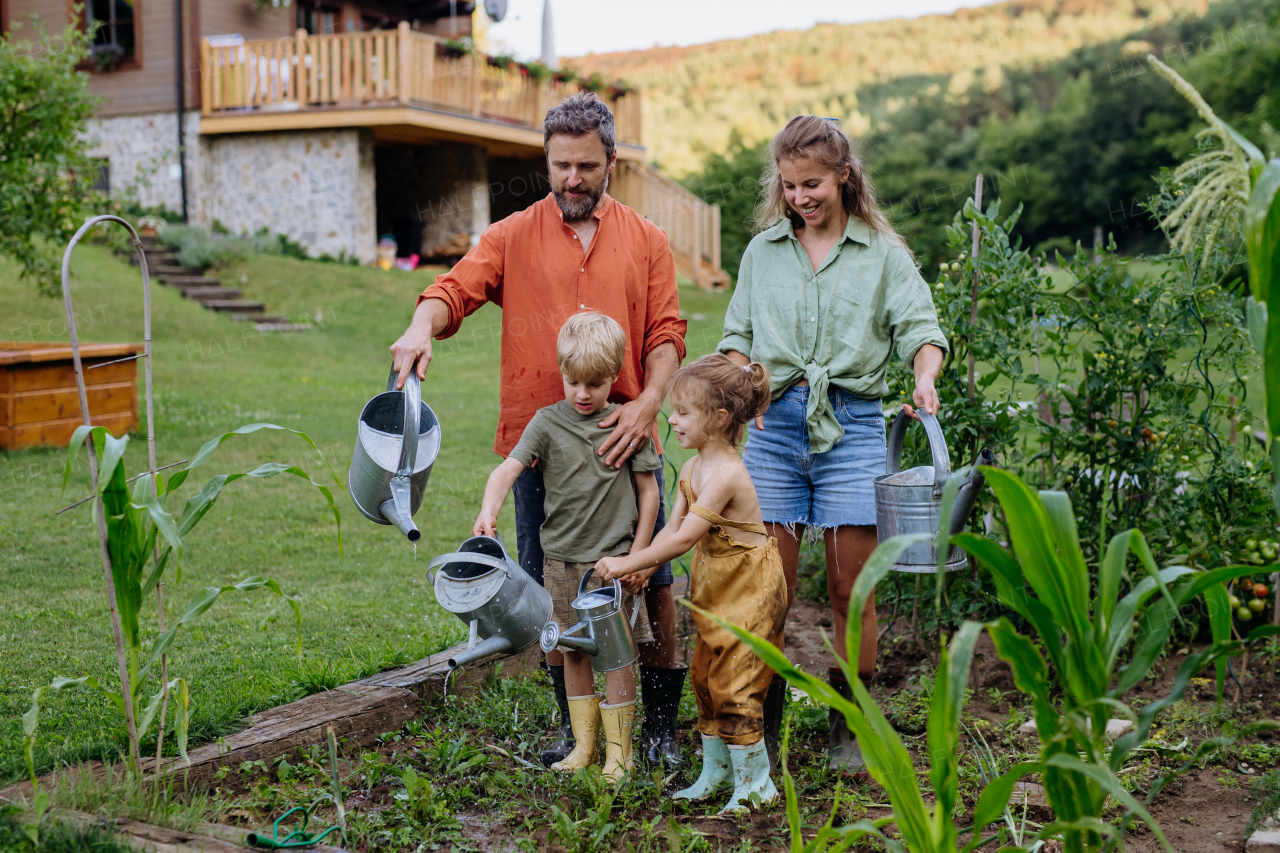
[(716, 382)]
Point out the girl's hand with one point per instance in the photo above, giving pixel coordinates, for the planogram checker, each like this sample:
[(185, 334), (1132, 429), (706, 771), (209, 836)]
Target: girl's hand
[(610, 568), (486, 523)]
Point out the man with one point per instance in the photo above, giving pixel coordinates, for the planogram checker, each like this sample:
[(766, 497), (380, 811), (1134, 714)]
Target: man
[(576, 250)]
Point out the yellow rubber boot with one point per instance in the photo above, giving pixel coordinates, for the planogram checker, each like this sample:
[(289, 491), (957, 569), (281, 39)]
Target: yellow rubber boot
[(584, 717), (617, 740)]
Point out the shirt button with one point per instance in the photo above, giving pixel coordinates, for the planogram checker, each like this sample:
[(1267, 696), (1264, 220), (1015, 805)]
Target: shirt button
[(575, 236), (583, 305), (584, 269), (813, 319)]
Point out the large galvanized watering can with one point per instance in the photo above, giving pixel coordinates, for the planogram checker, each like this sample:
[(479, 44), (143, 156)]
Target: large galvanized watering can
[(604, 624), (481, 585), (397, 441), (911, 501)]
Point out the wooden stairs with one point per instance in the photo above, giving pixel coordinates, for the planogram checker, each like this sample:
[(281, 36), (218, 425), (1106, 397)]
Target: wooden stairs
[(162, 263)]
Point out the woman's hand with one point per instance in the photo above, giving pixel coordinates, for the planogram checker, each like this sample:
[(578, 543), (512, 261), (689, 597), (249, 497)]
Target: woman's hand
[(927, 365)]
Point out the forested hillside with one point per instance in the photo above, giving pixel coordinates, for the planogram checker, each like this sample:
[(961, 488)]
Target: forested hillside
[(695, 97), (1067, 119)]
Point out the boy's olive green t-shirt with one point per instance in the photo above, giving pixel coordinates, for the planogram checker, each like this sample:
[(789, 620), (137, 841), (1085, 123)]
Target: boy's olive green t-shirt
[(591, 507)]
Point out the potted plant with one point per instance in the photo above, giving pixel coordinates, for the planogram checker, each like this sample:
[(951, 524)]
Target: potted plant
[(106, 57)]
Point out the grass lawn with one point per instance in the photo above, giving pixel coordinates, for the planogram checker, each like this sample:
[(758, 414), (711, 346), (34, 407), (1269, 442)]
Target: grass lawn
[(368, 610)]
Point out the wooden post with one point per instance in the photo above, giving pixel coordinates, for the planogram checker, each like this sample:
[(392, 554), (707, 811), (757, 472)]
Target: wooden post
[(715, 238), (477, 85), (697, 242), (973, 296), (304, 73), (205, 83), (404, 44)]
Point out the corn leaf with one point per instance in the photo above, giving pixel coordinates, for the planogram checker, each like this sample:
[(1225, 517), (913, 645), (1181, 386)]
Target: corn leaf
[(204, 600), (1109, 783), (995, 797)]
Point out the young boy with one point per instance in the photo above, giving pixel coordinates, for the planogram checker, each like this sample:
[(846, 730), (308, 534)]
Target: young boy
[(593, 511)]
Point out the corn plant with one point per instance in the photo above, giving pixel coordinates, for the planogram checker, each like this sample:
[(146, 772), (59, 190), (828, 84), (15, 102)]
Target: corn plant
[(1237, 179), (1045, 580), (136, 521)]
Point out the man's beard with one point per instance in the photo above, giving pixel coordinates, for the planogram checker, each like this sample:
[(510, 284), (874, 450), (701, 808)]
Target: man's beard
[(576, 210)]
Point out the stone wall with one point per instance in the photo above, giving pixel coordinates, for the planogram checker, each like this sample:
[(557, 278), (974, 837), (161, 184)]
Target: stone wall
[(315, 186), (143, 154)]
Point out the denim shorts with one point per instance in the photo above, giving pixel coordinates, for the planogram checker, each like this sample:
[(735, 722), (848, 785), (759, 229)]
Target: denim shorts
[(817, 490)]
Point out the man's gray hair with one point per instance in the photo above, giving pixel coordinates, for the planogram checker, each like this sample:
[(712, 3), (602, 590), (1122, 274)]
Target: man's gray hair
[(578, 115)]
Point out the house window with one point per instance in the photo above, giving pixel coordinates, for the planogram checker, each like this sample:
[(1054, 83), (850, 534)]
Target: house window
[(319, 20), (112, 23)]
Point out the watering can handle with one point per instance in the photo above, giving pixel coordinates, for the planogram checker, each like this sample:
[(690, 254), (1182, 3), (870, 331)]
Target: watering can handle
[(412, 412), (617, 593), (937, 446)]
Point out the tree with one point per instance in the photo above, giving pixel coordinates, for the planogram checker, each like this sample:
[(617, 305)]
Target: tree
[(45, 174)]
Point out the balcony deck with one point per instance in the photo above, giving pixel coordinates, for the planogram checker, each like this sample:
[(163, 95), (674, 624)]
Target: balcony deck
[(393, 80)]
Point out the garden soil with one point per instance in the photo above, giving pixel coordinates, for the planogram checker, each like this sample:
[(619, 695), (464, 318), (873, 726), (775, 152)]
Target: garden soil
[(1205, 811)]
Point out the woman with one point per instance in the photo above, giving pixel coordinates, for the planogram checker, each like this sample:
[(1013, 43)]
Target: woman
[(826, 292)]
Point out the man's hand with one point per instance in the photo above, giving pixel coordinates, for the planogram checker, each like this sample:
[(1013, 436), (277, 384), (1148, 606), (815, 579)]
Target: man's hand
[(414, 346), (638, 582), (632, 426)]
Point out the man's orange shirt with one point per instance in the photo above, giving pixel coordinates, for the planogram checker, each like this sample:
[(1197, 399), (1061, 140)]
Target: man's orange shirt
[(532, 265)]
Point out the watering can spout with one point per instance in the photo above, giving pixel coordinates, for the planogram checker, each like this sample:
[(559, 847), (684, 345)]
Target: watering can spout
[(968, 494), (586, 645), (397, 510), (491, 646)]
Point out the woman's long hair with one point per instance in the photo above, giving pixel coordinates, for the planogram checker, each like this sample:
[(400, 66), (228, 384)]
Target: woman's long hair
[(821, 141)]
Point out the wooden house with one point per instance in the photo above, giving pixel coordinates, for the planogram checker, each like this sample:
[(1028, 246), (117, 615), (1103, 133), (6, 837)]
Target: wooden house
[(334, 123)]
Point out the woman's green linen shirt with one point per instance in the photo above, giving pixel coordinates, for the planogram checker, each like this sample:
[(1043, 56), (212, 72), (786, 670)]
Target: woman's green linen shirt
[(838, 325)]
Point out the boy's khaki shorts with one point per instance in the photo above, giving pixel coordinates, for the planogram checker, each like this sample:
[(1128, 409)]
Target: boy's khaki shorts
[(561, 580)]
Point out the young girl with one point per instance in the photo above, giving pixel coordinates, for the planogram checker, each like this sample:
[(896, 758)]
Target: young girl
[(736, 572)]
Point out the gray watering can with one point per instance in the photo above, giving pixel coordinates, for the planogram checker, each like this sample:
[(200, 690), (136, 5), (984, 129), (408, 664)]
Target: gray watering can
[(481, 585), (397, 441), (911, 501), (608, 639)]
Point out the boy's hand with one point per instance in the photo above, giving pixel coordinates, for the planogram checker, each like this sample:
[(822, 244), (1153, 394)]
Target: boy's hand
[(486, 523), (635, 584)]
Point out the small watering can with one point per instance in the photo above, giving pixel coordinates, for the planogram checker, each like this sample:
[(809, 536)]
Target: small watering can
[(911, 501), (397, 441), (608, 631), (481, 585)]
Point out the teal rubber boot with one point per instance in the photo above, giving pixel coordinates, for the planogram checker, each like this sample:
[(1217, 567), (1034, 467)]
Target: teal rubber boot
[(750, 776), (717, 772)]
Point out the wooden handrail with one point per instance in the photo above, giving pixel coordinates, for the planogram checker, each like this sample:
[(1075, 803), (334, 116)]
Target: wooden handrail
[(379, 68), (692, 225)]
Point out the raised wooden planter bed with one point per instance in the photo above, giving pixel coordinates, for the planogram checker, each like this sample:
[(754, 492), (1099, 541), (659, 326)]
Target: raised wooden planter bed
[(39, 405)]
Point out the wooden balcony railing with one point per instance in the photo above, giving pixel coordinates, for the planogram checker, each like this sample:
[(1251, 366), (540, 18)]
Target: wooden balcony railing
[(392, 67)]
